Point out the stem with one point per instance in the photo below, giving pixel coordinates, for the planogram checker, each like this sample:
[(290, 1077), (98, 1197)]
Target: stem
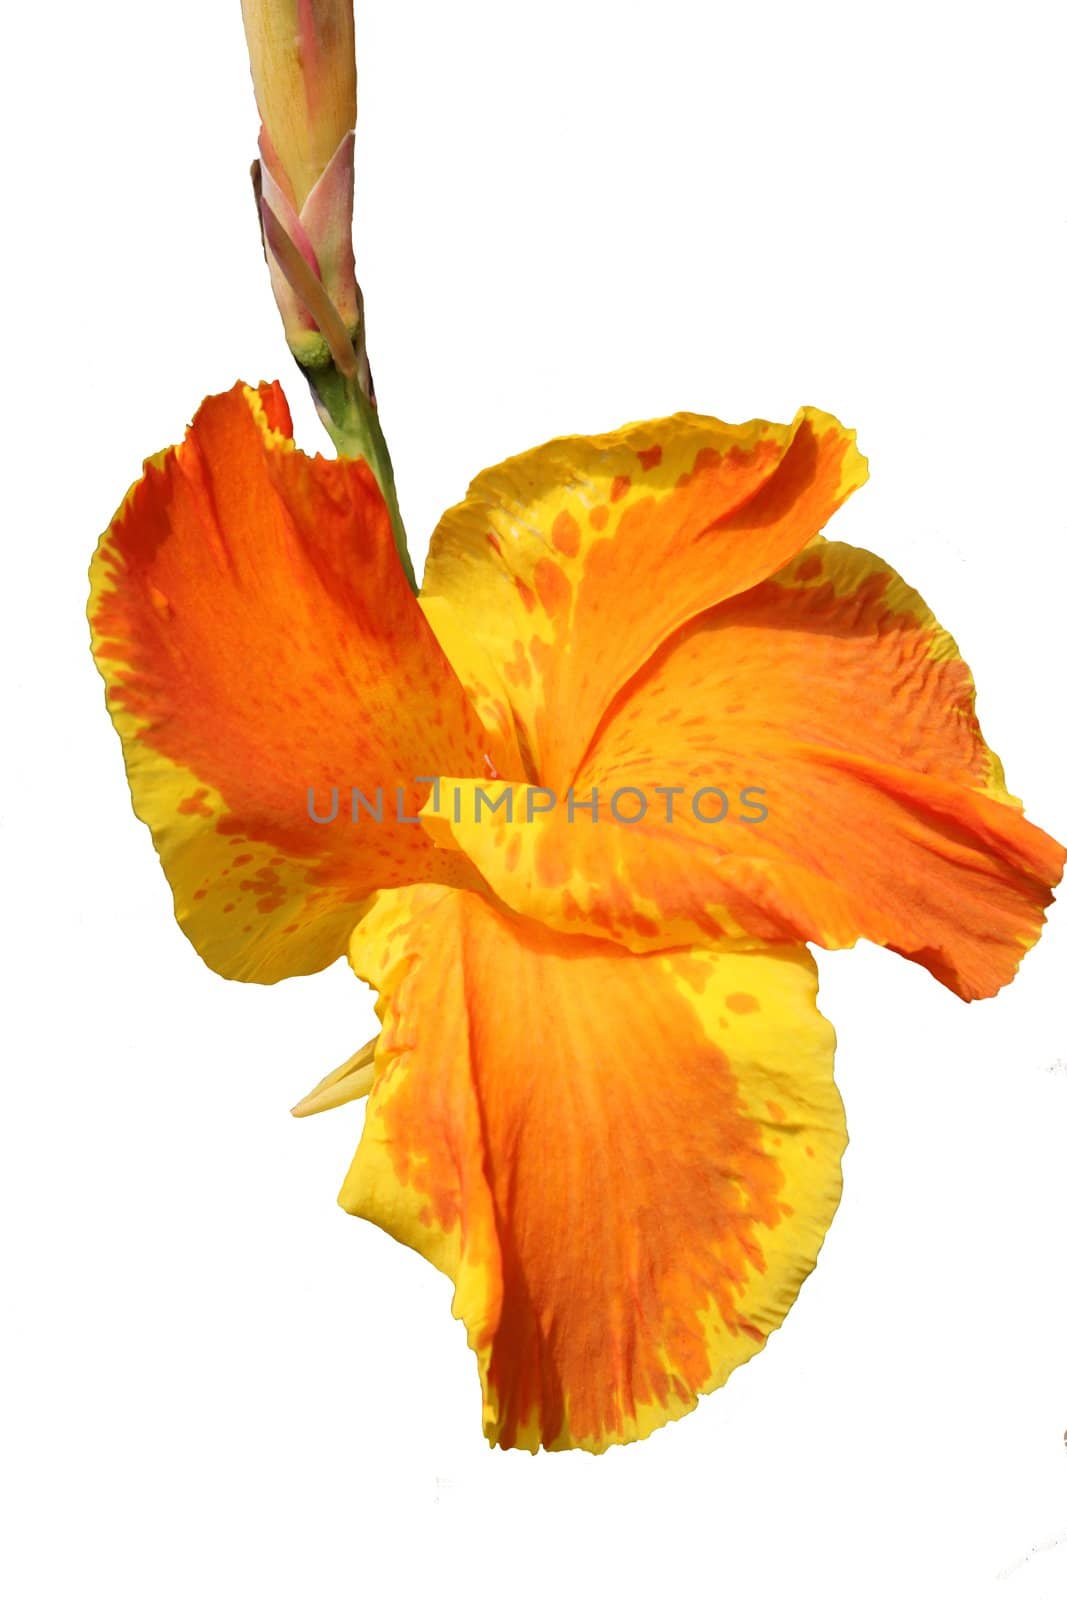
[(350, 417)]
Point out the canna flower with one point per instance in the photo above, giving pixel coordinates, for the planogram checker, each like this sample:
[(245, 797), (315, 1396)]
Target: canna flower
[(602, 1097)]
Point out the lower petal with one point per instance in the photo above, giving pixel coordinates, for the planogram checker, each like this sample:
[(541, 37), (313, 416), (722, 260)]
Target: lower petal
[(626, 1163)]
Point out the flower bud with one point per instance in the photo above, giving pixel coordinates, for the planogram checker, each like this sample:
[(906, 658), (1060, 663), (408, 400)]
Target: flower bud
[(304, 72)]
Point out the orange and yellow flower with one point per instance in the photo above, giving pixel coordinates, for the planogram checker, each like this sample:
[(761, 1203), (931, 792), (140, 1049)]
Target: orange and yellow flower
[(602, 1097)]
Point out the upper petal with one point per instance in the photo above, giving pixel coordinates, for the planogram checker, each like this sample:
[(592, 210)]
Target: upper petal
[(483, 683), (571, 564), (259, 641), (626, 1163), (848, 791)]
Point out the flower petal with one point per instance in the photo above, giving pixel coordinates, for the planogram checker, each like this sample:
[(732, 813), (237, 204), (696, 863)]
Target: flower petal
[(625, 1163), (259, 641), (484, 685), (571, 564), (829, 700)]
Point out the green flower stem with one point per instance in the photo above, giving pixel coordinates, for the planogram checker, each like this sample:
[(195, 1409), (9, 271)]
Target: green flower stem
[(350, 417)]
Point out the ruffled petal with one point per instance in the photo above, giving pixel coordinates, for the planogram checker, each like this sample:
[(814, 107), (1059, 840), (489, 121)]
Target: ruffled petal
[(625, 1163), (571, 564), (832, 784), (264, 656)]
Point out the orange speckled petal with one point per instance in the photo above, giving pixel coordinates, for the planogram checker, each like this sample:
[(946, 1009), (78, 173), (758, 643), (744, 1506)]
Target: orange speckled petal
[(484, 685), (573, 563), (625, 1163), (259, 640), (849, 792)]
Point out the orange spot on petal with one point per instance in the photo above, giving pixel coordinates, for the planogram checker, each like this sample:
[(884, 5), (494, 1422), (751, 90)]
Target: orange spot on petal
[(193, 805), (810, 567), (553, 587), (566, 534)]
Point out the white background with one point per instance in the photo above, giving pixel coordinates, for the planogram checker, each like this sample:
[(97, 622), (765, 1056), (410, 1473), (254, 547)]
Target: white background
[(569, 215)]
